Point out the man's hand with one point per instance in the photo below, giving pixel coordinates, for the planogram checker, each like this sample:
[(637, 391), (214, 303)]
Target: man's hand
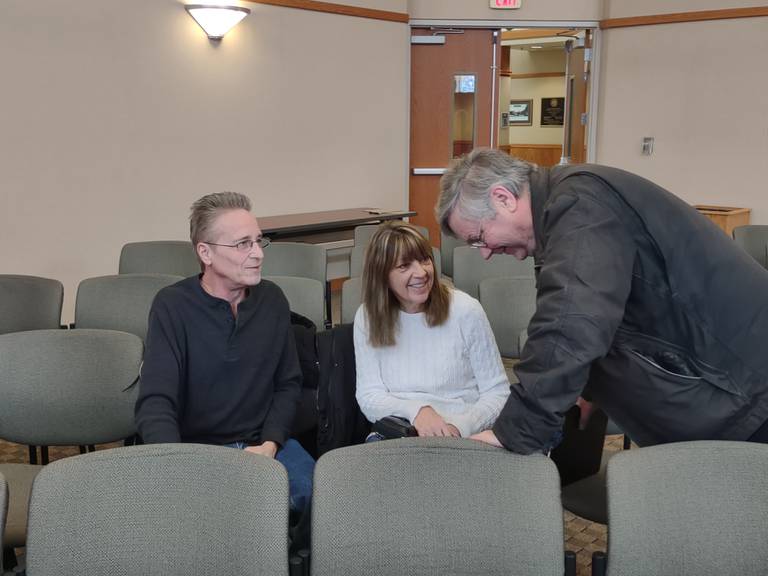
[(267, 448), (585, 412), (488, 437), (430, 423)]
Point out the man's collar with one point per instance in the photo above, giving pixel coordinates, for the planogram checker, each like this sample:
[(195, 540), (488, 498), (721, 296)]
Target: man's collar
[(539, 190)]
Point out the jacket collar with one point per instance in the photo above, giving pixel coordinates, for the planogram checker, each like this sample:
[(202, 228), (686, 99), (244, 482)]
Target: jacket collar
[(539, 189)]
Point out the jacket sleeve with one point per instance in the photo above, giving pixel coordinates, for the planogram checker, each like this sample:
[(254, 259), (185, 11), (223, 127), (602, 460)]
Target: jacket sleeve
[(373, 397), (157, 406), (287, 390), (582, 288), (490, 376)]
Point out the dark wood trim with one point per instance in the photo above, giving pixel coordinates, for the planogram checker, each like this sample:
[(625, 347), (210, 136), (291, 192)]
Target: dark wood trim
[(341, 9), (509, 74), (678, 17)]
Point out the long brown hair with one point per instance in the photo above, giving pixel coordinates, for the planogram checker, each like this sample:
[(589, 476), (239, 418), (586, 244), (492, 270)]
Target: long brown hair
[(394, 242)]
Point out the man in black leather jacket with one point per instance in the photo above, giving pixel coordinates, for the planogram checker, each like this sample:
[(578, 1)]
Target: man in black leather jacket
[(640, 299)]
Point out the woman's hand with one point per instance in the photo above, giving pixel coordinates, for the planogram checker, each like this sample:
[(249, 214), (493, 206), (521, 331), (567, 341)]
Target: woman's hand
[(429, 423), (488, 437), (267, 448)]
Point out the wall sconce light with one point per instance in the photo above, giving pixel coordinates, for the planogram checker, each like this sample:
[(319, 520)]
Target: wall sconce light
[(216, 21)]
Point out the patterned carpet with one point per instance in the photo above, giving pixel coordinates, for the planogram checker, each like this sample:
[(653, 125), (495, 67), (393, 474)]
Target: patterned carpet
[(581, 536)]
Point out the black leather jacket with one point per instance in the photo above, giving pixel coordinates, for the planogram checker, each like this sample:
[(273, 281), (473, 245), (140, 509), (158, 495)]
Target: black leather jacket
[(648, 305)]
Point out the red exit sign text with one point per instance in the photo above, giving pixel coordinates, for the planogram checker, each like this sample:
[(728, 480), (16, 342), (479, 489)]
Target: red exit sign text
[(506, 4)]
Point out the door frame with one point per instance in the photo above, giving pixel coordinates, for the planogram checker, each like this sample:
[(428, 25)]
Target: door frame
[(594, 78)]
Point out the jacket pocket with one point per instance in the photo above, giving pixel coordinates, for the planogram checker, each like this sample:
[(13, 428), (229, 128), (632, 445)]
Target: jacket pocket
[(658, 393), (671, 362)]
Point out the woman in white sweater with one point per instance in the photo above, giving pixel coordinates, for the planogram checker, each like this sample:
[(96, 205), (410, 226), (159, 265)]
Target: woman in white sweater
[(424, 352)]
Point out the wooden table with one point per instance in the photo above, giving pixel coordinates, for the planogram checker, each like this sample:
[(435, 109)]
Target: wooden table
[(325, 226)]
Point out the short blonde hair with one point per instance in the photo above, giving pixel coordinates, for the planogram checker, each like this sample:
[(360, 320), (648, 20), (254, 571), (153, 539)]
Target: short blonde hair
[(205, 211), (396, 241)]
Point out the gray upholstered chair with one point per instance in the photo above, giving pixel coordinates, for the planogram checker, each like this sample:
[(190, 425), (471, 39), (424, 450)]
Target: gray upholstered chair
[(509, 303), (62, 388), (306, 296), (171, 509), (753, 238), (689, 509), (29, 303), (351, 298), (119, 302), (3, 512), (447, 244), (174, 257), (469, 268), (425, 506), (299, 259)]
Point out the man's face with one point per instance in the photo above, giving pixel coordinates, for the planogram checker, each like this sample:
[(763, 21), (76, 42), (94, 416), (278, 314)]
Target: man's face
[(510, 232), (228, 265)]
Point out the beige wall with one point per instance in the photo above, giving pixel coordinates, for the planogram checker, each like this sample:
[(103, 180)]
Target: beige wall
[(530, 10), (115, 116), (521, 62), (700, 90), (628, 8)]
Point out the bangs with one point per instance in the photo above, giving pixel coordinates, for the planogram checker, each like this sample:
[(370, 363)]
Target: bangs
[(408, 245)]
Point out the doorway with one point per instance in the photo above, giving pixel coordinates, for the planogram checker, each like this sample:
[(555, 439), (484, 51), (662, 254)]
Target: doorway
[(520, 90)]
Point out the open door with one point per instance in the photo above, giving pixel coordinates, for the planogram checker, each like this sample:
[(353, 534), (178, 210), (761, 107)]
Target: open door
[(454, 87)]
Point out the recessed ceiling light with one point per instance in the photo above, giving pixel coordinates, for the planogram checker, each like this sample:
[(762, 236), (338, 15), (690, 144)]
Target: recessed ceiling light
[(536, 47)]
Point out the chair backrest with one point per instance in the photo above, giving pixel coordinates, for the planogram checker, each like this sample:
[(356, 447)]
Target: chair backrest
[(29, 303), (3, 513), (447, 244), (159, 257), (306, 296), (509, 303), (175, 509), (351, 298), (435, 506), (68, 387), (469, 268), (119, 302), (692, 508), (753, 238), (295, 259)]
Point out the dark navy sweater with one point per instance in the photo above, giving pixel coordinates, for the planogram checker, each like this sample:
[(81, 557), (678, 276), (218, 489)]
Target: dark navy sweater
[(213, 378)]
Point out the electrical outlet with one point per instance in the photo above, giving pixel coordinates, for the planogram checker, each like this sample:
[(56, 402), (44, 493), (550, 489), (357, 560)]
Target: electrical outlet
[(647, 145)]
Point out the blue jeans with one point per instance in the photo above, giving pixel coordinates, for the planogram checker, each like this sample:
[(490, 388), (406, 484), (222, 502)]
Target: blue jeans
[(301, 469)]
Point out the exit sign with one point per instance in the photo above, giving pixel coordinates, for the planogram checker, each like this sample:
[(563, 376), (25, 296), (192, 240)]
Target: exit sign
[(506, 4)]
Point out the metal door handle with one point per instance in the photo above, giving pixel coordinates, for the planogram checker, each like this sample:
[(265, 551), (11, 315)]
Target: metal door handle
[(428, 171)]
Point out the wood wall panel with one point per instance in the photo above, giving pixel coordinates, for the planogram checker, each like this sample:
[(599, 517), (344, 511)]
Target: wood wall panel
[(541, 154)]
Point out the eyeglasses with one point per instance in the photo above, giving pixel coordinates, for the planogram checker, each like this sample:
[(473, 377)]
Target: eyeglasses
[(245, 245), (477, 241)]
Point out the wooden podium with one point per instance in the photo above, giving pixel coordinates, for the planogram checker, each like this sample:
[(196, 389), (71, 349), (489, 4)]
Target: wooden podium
[(726, 217)]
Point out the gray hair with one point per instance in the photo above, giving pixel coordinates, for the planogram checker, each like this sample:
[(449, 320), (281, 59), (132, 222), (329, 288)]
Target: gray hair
[(205, 210), (467, 183)]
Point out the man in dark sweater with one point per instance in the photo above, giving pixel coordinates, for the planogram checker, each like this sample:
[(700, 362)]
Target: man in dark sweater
[(220, 365), (642, 303)]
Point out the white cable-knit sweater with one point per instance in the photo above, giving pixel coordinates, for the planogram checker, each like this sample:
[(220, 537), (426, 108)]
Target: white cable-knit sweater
[(455, 368)]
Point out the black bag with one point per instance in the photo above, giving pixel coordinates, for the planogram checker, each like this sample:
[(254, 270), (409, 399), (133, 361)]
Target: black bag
[(305, 333), (580, 452), (394, 427), (340, 421), (304, 427)]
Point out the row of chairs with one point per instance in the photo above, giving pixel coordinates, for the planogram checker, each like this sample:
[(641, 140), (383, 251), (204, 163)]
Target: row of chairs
[(411, 506), (753, 238)]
